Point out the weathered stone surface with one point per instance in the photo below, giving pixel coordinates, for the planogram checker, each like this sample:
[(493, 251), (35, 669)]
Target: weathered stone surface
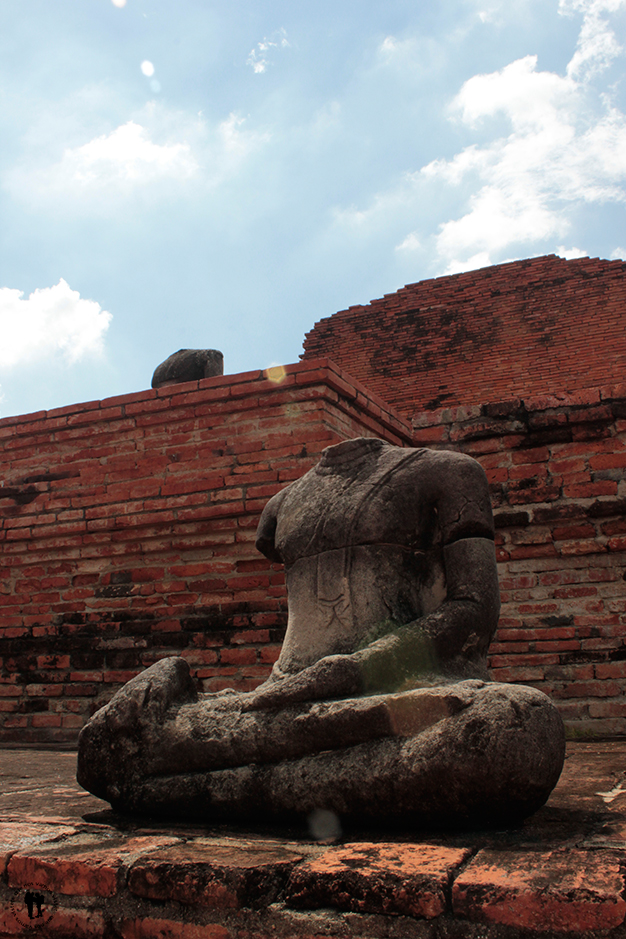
[(379, 704), (560, 890), (204, 872), (410, 879), (84, 865), (405, 745), (17, 835), (188, 365)]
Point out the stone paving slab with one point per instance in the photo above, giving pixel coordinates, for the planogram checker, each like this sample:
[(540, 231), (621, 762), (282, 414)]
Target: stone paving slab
[(564, 890), (82, 863), (412, 879), (69, 867)]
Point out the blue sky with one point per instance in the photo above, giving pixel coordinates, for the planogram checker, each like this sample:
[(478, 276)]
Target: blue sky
[(223, 174)]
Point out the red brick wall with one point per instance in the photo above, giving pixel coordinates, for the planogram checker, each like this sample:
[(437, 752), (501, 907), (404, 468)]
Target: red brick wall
[(128, 527), (128, 534), (556, 471), (517, 329)]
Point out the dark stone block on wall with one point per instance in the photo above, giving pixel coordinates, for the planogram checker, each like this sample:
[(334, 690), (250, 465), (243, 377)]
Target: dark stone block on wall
[(188, 365)]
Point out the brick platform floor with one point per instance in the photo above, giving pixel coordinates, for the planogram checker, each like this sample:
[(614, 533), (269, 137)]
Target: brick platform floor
[(70, 868)]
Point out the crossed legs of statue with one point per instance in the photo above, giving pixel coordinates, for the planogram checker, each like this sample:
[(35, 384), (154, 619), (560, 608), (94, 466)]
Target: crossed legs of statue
[(460, 751)]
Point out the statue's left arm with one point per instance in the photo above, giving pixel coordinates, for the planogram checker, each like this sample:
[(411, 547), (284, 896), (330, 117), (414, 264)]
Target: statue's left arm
[(457, 632), (456, 487)]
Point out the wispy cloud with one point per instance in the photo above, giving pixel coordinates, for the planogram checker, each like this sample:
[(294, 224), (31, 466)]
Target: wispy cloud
[(392, 48), (410, 243), (559, 152), (157, 149), (597, 45), (51, 321), (261, 56), (565, 146)]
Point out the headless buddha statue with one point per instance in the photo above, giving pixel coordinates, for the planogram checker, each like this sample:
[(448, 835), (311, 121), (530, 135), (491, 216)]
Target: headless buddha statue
[(380, 704)]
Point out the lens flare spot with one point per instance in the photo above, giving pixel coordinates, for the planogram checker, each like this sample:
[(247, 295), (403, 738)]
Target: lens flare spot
[(155, 85), (324, 825), (276, 373), (147, 68)]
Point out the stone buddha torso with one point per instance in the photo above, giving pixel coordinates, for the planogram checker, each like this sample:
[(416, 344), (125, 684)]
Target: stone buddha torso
[(362, 544)]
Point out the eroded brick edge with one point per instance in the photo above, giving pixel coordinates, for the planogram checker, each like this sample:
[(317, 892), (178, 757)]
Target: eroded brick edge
[(483, 892)]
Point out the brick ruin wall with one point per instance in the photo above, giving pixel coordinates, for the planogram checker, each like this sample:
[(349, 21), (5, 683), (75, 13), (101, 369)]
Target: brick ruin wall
[(128, 528), (517, 329), (555, 466), (127, 533)]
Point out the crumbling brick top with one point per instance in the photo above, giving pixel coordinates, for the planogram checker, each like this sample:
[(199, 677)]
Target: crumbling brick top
[(520, 329)]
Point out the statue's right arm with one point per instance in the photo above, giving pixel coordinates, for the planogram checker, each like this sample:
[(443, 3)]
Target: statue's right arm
[(266, 530), (459, 630)]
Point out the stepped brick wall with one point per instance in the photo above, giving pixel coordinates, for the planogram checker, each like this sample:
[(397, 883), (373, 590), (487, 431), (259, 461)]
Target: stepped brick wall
[(128, 527), (128, 534), (519, 329), (555, 465)]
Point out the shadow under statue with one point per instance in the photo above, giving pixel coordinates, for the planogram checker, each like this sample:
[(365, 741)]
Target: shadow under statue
[(380, 706)]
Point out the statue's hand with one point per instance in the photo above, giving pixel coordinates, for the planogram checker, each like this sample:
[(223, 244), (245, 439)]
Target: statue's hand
[(336, 676)]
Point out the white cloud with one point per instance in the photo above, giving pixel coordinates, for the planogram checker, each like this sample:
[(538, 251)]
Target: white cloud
[(394, 49), (528, 98), (494, 11), (618, 254), (563, 145), (160, 150), (559, 152), (52, 320), (382, 206), (481, 259), (597, 45), (260, 56), (127, 154), (570, 253), (410, 243), (409, 57), (231, 144), (389, 45)]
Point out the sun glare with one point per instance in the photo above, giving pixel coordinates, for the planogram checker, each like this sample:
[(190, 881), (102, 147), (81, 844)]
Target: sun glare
[(147, 68), (276, 373)]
